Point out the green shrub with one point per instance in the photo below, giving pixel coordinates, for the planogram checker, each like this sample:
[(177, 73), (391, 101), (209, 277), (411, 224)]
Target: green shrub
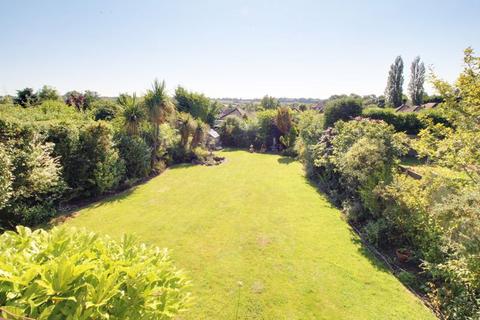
[(5, 176), (105, 110), (341, 109), (99, 167), (408, 122), (135, 154), (74, 274), (34, 173), (376, 232)]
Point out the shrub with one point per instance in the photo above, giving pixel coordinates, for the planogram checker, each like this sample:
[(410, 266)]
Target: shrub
[(74, 274), (98, 165), (105, 110), (376, 232), (407, 122), (35, 175), (341, 109), (5, 176), (135, 154)]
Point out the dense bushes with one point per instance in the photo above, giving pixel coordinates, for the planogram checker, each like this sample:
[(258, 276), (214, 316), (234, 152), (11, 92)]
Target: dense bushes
[(341, 109), (74, 274), (407, 122), (435, 218), (33, 182), (54, 153)]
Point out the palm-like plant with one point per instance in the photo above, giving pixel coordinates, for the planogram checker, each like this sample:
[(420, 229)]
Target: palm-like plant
[(159, 107), (186, 127), (133, 113), (200, 134)]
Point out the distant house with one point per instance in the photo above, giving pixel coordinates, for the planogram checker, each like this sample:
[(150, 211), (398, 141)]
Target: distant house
[(231, 112), (406, 108), (430, 105), (426, 106)]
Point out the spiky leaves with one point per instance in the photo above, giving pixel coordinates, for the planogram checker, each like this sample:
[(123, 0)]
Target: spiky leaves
[(133, 113)]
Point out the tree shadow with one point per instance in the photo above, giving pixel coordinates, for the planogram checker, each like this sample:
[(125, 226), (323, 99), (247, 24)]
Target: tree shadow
[(285, 160), (375, 258)]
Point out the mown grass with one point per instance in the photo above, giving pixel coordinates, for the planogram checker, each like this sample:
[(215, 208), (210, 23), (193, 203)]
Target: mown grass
[(254, 231)]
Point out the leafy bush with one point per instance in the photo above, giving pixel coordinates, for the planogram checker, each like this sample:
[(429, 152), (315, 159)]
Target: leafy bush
[(99, 167), (105, 110), (34, 173), (5, 176), (408, 122), (135, 154), (341, 109), (74, 274)]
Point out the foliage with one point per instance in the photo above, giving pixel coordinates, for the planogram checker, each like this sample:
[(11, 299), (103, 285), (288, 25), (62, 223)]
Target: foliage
[(48, 93), (98, 165), (341, 109), (457, 148), (26, 98), (5, 176), (34, 175), (197, 104), (103, 109), (133, 113), (393, 91), (283, 120), (200, 135), (417, 78), (135, 154), (74, 274), (408, 122), (159, 108), (269, 102)]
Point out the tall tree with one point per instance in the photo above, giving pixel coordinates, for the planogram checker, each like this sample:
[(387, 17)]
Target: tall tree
[(393, 92), (417, 78), (159, 107), (283, 120)]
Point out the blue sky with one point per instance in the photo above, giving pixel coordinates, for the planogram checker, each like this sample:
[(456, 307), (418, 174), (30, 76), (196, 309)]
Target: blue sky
[(229, 48)]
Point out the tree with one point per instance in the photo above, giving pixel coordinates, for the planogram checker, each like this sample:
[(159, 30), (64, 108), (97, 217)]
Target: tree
[(159, 107), (417, 78), (48, 93), (197, 104), (283, 120), (26, 98), (75, 99), (133, 113), (200, 134), (393, 92), (341, 109), (269, 102), (186, 127), (457, 147)]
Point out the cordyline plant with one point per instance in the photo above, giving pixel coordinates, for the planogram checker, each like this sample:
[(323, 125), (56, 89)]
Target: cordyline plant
[(75, 274)]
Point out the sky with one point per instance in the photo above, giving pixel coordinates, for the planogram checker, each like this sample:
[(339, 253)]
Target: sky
[(243, 49)]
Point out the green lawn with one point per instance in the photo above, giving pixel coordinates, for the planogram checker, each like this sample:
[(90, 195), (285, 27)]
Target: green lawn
[(256, 220)]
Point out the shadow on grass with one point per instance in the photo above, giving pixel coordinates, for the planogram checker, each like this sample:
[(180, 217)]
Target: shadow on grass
[(362, 247), (285, 160)]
